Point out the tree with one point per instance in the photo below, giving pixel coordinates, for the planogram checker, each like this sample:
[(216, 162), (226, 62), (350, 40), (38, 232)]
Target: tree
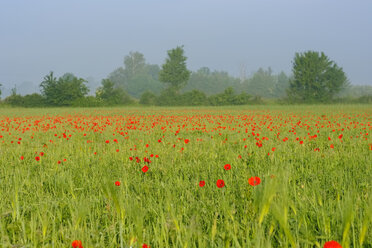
[(112, 95), (174, 71), (262, 83), (315, 78), (64, 91), (134, 64)]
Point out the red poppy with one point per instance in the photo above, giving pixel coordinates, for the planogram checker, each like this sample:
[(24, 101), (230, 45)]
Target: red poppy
[(145, 246), (201, 183), (37, 158), (107, 141), (301, 142), (117, 183), (254, 181), (273, 149), (332, 244), (187, 141), (77, 244), (332, 146), (145, 169), (220, 183), (227, 167), (22, 157)]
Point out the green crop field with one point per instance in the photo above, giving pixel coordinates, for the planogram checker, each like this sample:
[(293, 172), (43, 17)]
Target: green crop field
[(261, 176)]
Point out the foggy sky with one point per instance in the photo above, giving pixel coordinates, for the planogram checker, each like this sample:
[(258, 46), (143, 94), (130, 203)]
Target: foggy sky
[(90, 37)]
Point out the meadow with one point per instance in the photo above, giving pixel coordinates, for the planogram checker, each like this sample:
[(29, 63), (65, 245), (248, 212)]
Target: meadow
[(252, 176)]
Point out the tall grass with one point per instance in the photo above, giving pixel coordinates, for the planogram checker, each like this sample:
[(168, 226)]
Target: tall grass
[(306, 197)]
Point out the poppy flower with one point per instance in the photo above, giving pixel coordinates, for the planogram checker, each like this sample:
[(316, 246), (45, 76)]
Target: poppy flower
[(117, 183), (332, 244), (220, 183), (145, 169), (187, 141), (37, 158), (201, 183), (22, 157), (145, 246), (107, 141), (332, 146), (254, 181), (77, 244), (227, 167)]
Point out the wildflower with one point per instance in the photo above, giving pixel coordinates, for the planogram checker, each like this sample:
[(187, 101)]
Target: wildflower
[(77, 244), (332, 146), (201, 183), (22, 157), (107, 141), (332, 244), (37, 158), (117, 183), (220, 183), (254, 181), (227, 166), (187, 141), (145, 169), (145, 246)]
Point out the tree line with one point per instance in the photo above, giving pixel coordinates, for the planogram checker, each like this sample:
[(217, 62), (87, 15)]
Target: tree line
[(315, 79)]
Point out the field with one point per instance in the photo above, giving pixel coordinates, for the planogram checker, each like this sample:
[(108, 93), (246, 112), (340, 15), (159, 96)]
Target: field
[(261, 176)]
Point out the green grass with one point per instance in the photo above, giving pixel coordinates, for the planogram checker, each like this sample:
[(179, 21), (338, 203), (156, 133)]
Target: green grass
[(305, 197)]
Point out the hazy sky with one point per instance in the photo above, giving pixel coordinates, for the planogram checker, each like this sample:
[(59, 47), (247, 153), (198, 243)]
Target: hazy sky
[(90, 37)]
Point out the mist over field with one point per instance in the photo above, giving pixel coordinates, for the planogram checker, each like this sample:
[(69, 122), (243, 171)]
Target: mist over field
[(91, 38)]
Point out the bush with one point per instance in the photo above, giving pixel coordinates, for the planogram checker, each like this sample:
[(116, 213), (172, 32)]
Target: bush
[(33, 100), (89, 101), (193, 98), (148, 98)]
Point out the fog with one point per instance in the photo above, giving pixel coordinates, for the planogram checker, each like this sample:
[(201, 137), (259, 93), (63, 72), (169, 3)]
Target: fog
[(90, 38)]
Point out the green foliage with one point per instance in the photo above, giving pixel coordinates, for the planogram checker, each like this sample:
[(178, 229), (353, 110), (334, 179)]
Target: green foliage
[(33, 100), (193, 98), (174, 72), (64, 91), (211, 82), (137, 77), (229, 98), (111, 95), (134, 64), (88, 101), (14, 100), (148, 98), (316, 78), (168, 97)]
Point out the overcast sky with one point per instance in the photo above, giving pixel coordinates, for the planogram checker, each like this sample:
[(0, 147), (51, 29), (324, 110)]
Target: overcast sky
[(90, 37)]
